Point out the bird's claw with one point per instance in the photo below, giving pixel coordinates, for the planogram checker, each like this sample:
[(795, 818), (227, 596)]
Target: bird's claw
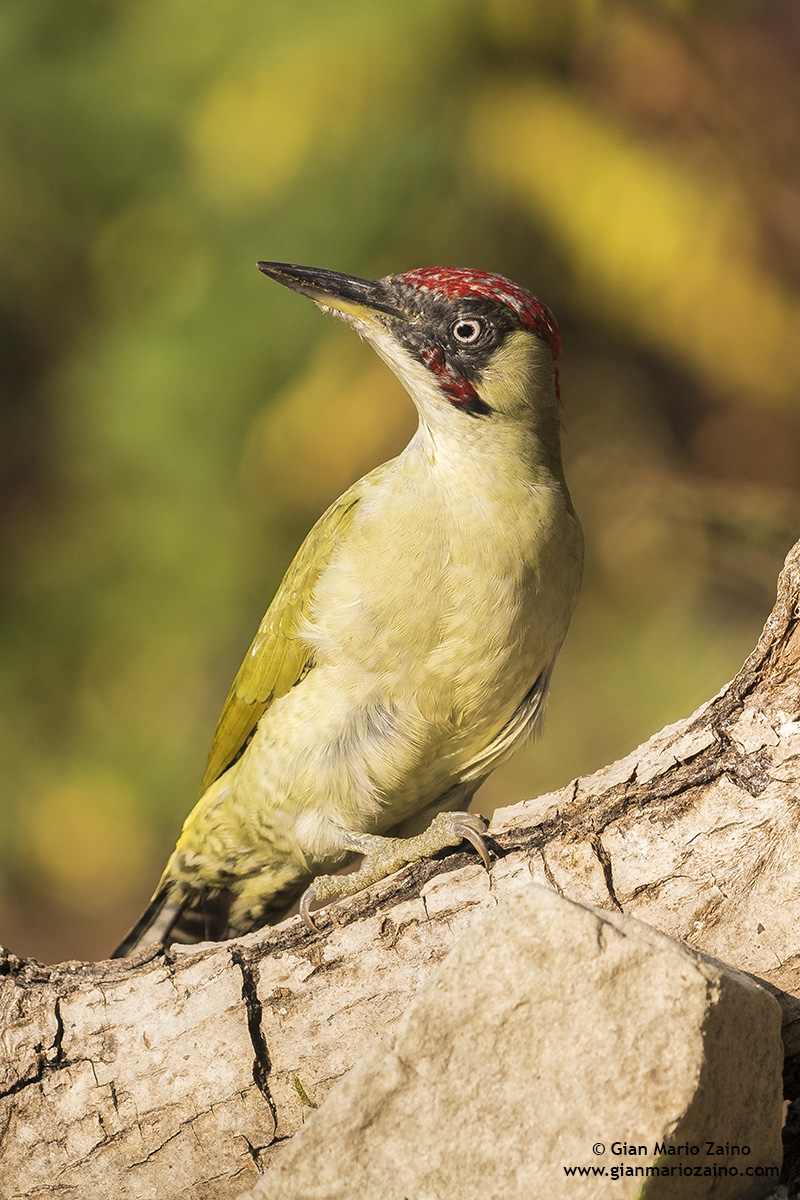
[(306, 900), (472, 828)]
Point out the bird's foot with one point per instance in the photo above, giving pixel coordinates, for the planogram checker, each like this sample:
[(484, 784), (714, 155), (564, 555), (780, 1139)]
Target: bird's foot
[(384, 855)]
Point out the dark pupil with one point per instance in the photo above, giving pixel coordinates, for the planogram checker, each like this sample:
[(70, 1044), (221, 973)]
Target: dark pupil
[(466, 330)]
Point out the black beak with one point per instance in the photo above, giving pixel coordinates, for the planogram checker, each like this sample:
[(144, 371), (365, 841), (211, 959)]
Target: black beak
[(343, 293)]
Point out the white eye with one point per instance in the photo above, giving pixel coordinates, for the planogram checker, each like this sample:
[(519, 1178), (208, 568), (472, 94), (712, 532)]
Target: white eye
[(467, 330)]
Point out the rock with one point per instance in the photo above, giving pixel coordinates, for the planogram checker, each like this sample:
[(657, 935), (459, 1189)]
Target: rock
[(559, 1051)]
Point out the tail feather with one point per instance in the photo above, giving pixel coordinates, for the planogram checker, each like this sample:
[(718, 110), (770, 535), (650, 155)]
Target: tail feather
[(199, 918), (155, 924), (202, 916)]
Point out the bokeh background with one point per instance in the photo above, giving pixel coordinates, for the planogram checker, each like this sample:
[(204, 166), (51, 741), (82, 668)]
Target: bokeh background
[(171, 423)]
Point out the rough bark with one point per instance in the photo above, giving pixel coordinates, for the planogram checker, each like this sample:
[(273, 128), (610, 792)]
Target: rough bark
[(173, 1073)]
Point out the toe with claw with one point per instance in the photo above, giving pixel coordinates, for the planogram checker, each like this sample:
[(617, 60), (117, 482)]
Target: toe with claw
[(384, 855)]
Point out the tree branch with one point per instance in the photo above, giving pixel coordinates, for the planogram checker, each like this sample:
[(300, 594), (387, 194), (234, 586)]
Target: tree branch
[(176, 1071)]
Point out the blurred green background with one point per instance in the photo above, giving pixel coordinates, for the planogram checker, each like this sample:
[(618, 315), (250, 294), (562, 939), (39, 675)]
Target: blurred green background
[(171, 423)]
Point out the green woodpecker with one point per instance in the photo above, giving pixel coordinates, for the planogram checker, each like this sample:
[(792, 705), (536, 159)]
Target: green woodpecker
[(410, 645)]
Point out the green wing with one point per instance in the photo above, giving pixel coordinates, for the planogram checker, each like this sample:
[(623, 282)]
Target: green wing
[(279, 657)]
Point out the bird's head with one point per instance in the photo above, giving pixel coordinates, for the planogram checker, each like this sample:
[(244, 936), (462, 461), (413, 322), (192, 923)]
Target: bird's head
[(468, 345)]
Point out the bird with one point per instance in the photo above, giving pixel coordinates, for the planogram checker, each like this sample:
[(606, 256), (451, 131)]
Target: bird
[(409, 648)]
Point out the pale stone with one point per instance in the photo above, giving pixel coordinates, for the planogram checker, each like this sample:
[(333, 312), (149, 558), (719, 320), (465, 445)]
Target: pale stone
[(552, 1029)]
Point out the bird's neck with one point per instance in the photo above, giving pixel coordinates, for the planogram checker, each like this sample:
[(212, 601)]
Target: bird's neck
[(492, 504), (517, 442), (494, 451)]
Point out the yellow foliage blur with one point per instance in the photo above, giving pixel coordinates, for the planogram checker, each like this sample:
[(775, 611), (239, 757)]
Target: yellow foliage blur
[(344, 415), (658, 249), (149, 262), (171, 423), (270, 114), (88, 842)]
